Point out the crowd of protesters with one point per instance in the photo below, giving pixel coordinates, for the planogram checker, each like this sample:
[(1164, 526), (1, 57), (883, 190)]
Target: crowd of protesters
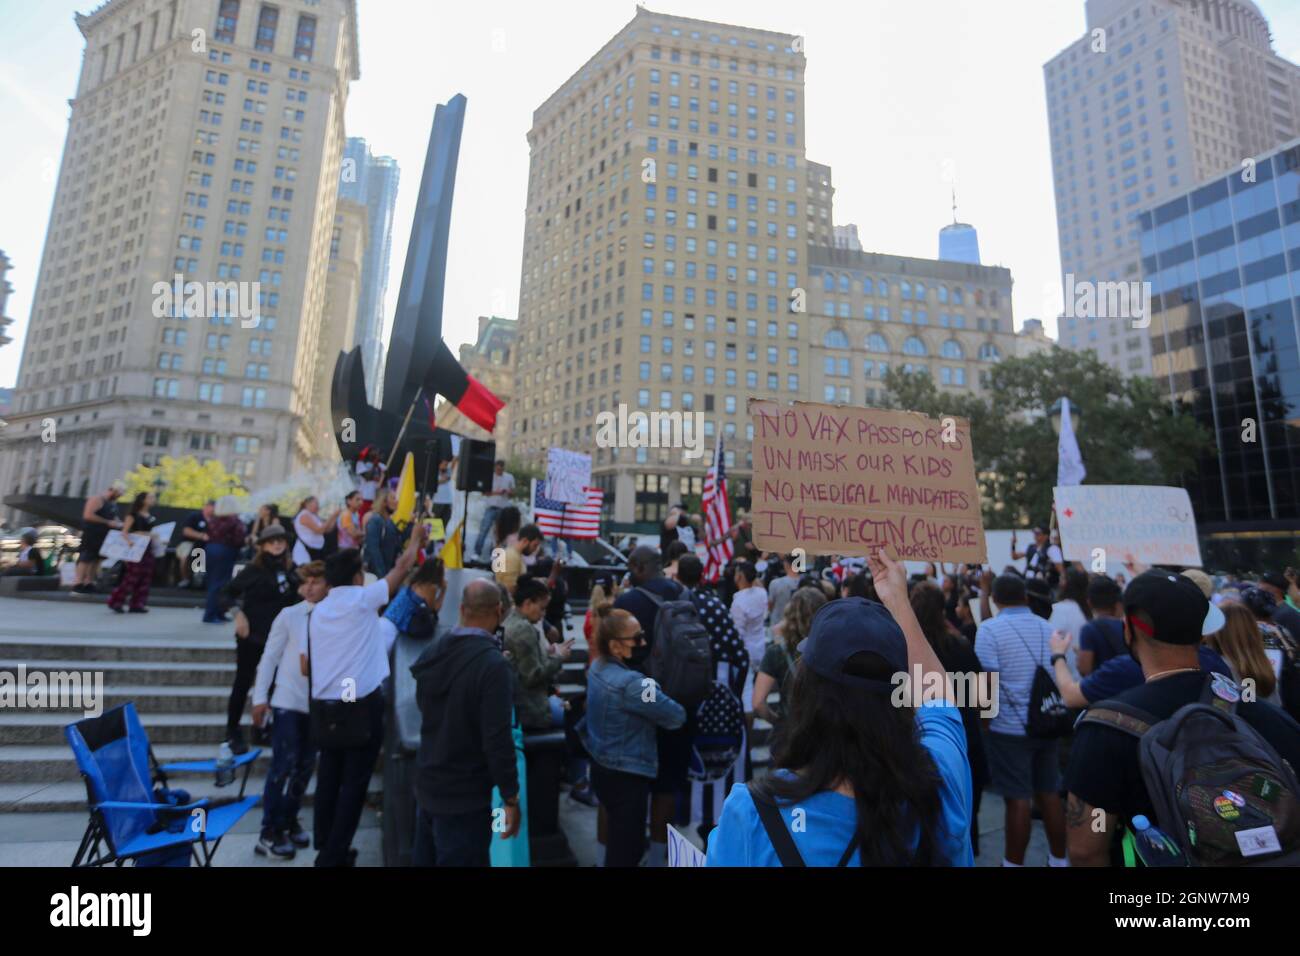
[(814, 648)]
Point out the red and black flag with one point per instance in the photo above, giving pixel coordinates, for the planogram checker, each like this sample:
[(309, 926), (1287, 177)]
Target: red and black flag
[(449, 379)]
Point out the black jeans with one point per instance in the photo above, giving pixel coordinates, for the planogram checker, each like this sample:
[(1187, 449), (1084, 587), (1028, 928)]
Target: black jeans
[(248, 653), (453, 839), (624, 797), (342, 778)]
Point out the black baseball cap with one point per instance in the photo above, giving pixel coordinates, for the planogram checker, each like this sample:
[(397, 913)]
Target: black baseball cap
[(851, 626), (1276, 580), (1179, 610)]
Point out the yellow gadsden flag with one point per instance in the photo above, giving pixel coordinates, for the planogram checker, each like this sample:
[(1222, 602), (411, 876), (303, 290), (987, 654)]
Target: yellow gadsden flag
[(405, 494), (452, 552)]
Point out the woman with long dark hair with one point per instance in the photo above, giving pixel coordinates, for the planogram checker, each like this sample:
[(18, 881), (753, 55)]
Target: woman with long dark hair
[(777, 667), (958, 658), (505, 529), (136, 575), (870, 764), (264, 588)]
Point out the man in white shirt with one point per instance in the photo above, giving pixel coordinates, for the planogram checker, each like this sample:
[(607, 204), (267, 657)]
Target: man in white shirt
[(503, 487), (293, 756), (344, 653)]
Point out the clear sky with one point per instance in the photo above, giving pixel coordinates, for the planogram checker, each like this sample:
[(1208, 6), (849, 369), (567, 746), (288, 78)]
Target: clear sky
[(902, 96)]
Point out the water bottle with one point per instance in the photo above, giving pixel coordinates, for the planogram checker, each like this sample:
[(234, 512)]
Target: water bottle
[(225, 765), (1154, 847)]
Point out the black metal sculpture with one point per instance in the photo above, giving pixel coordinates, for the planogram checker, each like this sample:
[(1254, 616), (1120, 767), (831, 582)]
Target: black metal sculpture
[(419, 366)]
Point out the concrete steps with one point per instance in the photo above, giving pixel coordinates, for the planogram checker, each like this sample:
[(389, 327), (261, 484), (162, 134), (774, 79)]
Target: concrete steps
[(70, 796), (46, 728), (152, 673), (91, 646)]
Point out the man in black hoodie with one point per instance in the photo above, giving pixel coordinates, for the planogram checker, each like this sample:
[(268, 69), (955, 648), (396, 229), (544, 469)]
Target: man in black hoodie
[(465, 689)]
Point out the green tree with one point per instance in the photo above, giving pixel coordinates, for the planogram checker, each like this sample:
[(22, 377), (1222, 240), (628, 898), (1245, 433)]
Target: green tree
[(524, 471), (1128, 431), (185, 482)]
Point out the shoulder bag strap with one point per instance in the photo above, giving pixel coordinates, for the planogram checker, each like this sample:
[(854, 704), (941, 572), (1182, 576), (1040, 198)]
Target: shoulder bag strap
[(849, 850), (777, 832), (658, 601), (309, 674)]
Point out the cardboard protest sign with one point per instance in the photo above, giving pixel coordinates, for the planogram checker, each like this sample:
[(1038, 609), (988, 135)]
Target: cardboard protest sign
[(568, 473), (681, 851), (831, 479), (115, 548), (1154, 524)]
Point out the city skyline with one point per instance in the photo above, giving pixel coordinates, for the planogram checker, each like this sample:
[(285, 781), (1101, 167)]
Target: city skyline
[(1006, 193)]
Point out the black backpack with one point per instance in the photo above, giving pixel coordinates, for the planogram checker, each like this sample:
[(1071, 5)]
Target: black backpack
[(1220, 790), (1046, 715), (681, 658)]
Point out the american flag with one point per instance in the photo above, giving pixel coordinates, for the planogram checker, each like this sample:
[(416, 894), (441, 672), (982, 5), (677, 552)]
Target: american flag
[(567, 520), (717, 517)]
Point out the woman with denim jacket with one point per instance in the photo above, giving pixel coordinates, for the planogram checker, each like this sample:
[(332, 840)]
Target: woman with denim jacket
[(623, 709)]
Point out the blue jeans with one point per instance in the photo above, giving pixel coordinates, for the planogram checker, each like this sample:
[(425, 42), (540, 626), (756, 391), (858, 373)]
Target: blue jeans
[(219, 565), (453, 839), (293, 759), (485, 527)]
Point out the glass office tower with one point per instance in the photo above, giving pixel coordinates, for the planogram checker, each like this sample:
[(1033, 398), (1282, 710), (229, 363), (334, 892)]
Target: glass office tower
[(1224, 264)]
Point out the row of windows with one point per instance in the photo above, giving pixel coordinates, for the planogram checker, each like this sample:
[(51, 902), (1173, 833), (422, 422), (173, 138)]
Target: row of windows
[(211, 392)]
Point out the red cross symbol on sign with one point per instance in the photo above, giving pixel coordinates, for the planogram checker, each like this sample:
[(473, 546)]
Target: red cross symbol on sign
[(1068, 513)]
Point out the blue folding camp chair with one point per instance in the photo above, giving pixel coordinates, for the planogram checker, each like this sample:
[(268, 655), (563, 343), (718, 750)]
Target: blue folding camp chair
[(127, 821)]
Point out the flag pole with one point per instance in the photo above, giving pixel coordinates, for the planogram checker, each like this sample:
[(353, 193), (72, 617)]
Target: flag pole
[(392, 455)]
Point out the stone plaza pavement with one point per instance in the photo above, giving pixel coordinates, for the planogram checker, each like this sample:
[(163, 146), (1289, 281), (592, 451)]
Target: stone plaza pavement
[(179, 670)]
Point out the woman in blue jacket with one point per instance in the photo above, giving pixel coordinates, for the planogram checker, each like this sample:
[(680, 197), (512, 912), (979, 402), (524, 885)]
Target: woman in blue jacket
[(623, 709), (870, 763)]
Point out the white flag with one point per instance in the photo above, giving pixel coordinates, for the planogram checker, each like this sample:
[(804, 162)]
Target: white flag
[(1069, 463)]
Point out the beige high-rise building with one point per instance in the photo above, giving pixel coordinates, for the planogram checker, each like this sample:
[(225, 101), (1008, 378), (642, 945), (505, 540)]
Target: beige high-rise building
[(680, 257), (204, 142), (1157, 96), (665, 230)]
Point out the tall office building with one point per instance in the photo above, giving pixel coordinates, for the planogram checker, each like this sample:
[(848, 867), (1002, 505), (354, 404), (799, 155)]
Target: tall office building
[(959, 242), (372, 181), (343, 295), (665, 216), (204, 143), (680, 257), (1157, 95), (1223, 260)]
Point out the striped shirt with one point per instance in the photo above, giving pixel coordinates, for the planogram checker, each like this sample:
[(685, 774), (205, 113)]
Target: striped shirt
[(1014, 644)]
